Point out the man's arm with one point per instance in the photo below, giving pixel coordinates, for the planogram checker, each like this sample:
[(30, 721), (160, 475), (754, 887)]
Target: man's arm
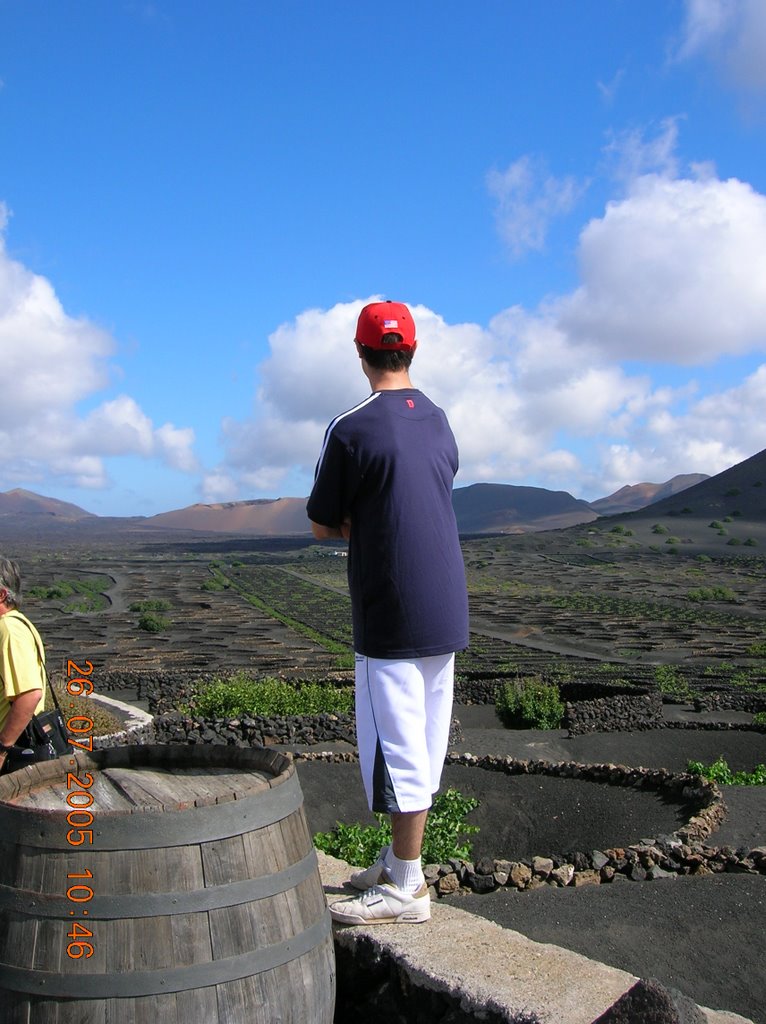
[(342, 532), (19, 717)]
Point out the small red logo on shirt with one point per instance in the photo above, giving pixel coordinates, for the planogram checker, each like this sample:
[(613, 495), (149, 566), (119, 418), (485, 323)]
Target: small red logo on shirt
[(410, 403)]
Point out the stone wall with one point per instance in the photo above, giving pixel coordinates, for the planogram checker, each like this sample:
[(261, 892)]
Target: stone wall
[(682, 852), (730, 700), (619, 711), (174, 727), (374, 986)]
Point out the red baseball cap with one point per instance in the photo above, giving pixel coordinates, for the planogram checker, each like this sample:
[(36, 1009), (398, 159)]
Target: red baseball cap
[(381, 319)]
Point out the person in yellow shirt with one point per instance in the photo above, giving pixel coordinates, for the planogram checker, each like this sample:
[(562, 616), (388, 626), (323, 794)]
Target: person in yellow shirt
[(22, 662)]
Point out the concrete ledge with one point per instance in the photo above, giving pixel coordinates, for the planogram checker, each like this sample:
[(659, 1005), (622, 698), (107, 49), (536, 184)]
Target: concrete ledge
[(137, 725), (488, 972)]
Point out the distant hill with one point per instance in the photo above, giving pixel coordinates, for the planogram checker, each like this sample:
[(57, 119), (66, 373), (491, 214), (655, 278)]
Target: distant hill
[(740, 491), (507, 508), (635, 496), (480, 508), (19, 502), (266, 517)]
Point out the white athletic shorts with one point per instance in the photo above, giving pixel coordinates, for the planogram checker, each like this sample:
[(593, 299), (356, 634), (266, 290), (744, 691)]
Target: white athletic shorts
[(403, 714)]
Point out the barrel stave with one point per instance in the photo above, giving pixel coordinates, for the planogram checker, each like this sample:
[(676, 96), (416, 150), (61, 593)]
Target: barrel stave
[(160, 902)]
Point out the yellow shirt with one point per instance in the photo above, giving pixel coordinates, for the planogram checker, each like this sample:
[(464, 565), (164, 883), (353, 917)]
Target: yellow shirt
[(22, 661)]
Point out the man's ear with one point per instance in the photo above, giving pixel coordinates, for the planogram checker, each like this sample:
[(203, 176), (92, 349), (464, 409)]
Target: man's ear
[(359, 349)]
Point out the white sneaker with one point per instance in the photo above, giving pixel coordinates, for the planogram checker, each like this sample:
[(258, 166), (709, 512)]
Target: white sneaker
[(384, 904), (365, 879)]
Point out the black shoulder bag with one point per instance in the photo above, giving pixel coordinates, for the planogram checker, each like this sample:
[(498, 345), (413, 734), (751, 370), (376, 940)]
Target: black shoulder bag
[(44, 739)]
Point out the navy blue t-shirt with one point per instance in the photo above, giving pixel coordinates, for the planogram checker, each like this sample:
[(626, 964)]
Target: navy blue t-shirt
[(388, 464)]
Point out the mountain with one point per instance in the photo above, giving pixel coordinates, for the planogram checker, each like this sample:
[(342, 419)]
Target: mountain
[(739, 491), (19, 502), (507, 508), (265, 517), (635, 496), (480, 508)]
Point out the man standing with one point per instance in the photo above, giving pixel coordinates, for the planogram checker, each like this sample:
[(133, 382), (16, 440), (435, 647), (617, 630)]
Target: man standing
[(22, 662), (384, 482)]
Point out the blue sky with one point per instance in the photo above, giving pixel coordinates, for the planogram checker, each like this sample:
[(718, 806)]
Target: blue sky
[(196, 199)]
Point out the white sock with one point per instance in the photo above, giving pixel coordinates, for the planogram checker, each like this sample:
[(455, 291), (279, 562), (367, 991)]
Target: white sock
[(406, 875)]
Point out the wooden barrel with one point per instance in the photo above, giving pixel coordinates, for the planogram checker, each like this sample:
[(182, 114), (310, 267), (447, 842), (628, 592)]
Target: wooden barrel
[(161, 883)]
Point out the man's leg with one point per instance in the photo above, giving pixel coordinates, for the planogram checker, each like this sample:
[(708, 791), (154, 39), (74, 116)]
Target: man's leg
[(400, 894), (395, 767), (403, 864), (408, 829)]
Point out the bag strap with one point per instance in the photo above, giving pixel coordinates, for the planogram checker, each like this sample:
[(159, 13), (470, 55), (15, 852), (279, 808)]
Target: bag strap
[(40, 657)]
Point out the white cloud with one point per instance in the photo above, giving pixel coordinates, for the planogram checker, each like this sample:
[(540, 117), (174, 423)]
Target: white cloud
[(732, 33), (116, 426), (609, 89), (716, 432), (313, 366), (509, 391), (83, 470), (51, 362), (705, 22), (52, 359), (631, 154), (528, 198), (674, 272), (218, 485), (175, 446)]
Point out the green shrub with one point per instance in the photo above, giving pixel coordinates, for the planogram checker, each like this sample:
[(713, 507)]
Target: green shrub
[(734, 541), (757, 650), (671, 682), (360, 844), (241, 695), (529, 703), (152, 622), (104, 722), (751, 542), (157, 605), (79, 595), (759, 718), (659, 528), (711, 594), (673, 540), (715, 525), (55, 592), (720, 772), (213, 585)]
